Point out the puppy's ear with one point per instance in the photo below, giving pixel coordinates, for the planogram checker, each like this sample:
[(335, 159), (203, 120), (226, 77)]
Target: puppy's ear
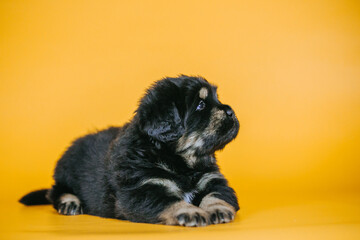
[(162, 122)]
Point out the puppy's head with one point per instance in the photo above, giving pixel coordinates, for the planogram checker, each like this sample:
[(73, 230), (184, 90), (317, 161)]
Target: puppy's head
[(185, 113)]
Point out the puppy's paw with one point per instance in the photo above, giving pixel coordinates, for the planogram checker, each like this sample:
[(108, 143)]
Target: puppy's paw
[(184, 214), (192, 217), (219, 211), (69, 204), (220, 214)]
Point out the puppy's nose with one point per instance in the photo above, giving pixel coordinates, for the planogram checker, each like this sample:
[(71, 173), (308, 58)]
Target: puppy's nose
[(228, 110)]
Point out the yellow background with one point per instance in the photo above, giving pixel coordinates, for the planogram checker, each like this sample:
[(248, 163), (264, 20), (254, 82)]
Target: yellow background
[(290, 70)]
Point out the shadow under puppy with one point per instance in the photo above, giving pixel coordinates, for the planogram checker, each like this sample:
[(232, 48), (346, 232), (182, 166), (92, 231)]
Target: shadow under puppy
[(158, 168)]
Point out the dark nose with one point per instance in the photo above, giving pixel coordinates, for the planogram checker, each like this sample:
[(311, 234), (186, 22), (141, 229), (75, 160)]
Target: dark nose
[(228, 110)]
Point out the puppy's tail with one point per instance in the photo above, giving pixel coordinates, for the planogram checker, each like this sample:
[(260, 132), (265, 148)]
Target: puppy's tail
[(35, 198)]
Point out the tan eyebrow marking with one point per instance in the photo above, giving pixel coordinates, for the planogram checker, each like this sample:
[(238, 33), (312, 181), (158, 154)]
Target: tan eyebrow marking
[(203, 93)]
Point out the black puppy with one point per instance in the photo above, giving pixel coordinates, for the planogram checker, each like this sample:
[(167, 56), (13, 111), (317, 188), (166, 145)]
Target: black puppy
[(158, 168)]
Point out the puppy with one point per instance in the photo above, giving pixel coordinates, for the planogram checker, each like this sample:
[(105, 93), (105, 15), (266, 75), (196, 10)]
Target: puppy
[(158, 168)]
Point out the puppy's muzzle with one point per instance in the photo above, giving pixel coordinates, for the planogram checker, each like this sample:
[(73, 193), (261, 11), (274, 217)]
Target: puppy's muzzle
[(230, 114), (230, 119)]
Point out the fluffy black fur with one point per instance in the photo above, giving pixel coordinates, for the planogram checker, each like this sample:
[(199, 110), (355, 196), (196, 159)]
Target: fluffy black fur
[(115, 172)]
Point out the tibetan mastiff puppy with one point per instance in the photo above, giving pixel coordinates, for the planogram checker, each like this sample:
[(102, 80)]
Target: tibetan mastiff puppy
[(158, 168)]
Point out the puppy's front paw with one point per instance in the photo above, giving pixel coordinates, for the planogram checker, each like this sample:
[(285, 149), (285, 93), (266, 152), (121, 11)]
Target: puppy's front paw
[(220, 214), (192, 217), (219, 211), (184, 214)]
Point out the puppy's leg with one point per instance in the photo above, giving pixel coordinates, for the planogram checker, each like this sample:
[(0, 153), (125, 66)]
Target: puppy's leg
[(218, 210), (217, 198), (158, 200), (64, 201)]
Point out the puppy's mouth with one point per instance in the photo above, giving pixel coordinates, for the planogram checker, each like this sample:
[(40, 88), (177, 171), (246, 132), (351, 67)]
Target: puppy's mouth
[(226, 133)]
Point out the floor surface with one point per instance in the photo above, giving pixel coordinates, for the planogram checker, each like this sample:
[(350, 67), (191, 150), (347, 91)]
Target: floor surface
[(273, 217)]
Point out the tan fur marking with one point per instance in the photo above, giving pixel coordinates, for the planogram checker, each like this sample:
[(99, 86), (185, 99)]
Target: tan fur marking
[(190, 157), (217, 116), (190, 143), (213, 204), (203, 93), (192, 140), (170, 186), (67, 197), (170, 214), (206, 178)]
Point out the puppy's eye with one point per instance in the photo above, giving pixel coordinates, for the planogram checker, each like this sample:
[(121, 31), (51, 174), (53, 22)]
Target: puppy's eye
[(201, 106)]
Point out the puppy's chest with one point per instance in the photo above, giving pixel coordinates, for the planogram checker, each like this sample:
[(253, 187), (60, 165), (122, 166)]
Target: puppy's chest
[(189, 196), (186, 181), (188, 185)]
